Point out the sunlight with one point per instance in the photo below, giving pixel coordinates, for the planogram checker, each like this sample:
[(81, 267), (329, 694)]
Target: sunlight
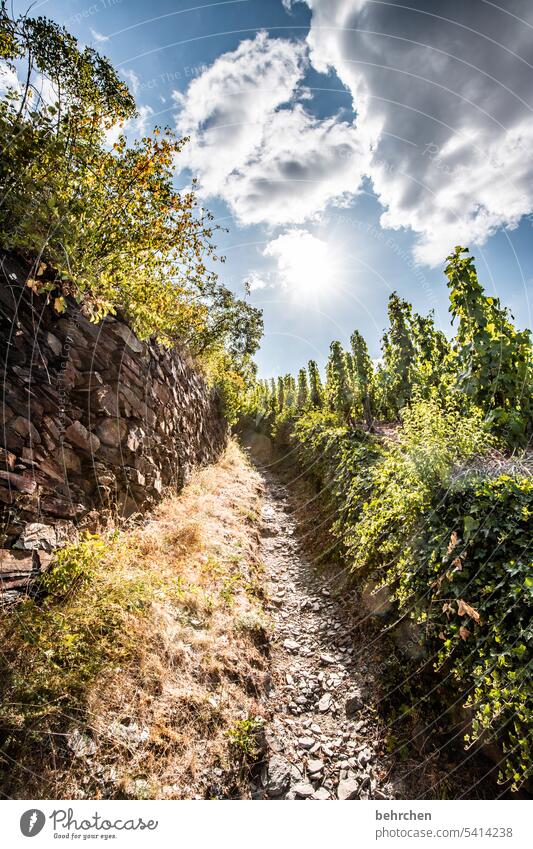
[(306, 265)]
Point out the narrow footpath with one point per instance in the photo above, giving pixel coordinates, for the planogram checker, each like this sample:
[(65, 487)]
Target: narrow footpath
[(323, 740)]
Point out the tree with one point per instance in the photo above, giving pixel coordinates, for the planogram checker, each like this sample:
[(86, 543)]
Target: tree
[(493, 359), (316, 391), (339, 393), (281, 395), (398, 356), (107, 226), (303, 390), (363, 374)]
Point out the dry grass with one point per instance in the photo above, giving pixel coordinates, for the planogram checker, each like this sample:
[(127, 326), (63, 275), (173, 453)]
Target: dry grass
[(151, 686)]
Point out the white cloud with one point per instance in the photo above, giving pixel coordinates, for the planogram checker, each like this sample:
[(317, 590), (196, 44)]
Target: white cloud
[(443, 123), (8, 79), (98, 36), (449, 103), (132, 79), (256, 146), (136, 127)]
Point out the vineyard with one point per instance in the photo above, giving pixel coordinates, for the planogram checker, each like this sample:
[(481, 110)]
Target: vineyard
[(422, 467)]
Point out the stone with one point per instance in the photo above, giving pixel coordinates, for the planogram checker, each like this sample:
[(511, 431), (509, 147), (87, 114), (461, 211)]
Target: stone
[(128, 336), (327, 659), (80, 744), (105, 401), (306, 742), (315, 766), (353, 704), (348, 789), (53, 343), (7, 459), (291, 645), (78, 435), (70, 460), (111, 431), (20, 482), (322, 794), (24, 427), (278, 776), (37, 536), (325, 703), (303, 790)]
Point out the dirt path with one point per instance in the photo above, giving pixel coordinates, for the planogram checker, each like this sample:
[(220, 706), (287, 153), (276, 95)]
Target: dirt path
[(323, 742)]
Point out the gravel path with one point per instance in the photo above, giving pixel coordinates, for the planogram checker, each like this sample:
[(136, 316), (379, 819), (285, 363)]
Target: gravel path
[(323, 740)]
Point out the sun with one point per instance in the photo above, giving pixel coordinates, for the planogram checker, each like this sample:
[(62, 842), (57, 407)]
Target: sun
[(307, 266)]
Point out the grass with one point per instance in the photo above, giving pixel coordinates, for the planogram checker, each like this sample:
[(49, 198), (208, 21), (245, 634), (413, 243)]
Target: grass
[(137, 673)]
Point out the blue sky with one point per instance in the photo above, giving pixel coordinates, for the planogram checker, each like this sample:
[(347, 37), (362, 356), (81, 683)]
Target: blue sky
[(347, 145)]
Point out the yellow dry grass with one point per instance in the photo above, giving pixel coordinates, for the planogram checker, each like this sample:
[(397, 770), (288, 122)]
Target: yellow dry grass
[(169, 663)]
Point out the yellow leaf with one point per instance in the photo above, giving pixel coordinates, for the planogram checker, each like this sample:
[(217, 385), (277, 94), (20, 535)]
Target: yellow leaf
[(59, 304)]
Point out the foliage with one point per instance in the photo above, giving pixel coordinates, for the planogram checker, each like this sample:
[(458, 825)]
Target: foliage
[(105, 224), (339, 392), (61, 642), (316, 391), (244, 736), (472, 586), (302, 398), (362, 376), (494, 364), (424, 515)]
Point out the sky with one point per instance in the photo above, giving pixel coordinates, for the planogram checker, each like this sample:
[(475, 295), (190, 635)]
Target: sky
[(346, 146)]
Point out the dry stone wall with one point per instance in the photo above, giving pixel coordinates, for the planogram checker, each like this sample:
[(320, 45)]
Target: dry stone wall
[(94, 422)]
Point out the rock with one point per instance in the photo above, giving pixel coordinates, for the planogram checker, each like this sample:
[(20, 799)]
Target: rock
[(128, 336), (21, 483), (348, 789), (111, 431), (53, 343), (24, 427), (81, 744), (291, 645), (322, 794), (353, 704), (303, 790), (278, 776), (315, 766), (327, 659), (325, 703), (7, 459), (78, 435), (37, 536), (69, 460), (306, 742)]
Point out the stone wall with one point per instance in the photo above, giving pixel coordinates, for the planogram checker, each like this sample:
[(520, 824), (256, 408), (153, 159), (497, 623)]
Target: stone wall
[(94, 423)]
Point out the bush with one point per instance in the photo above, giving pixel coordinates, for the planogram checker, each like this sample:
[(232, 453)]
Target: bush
[(420, 515)]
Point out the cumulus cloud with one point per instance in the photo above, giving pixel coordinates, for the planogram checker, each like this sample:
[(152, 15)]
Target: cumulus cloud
[(254, 144), (443, 103), (449, 94)]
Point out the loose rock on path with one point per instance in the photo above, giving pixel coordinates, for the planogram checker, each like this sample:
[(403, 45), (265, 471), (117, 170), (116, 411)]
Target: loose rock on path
[(323, 742)]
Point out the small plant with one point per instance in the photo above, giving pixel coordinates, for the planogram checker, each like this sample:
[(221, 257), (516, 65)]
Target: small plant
[(74, 565), (243, 736)]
